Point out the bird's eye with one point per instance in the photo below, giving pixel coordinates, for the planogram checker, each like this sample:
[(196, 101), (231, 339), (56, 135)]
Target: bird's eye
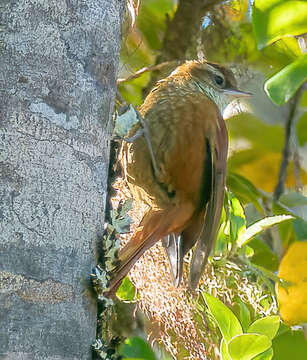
[(218, 80)]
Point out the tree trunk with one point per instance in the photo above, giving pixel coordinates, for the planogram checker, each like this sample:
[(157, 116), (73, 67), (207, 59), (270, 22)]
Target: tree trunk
[(58, 68)]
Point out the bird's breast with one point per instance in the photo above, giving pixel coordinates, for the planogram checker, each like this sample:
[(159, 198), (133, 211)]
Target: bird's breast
[(178, 129)]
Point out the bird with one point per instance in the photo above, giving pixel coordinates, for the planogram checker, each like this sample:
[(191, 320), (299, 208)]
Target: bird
[(189, 141)]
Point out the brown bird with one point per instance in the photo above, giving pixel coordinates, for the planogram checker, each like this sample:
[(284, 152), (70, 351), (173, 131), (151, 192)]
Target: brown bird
[(189, 142)]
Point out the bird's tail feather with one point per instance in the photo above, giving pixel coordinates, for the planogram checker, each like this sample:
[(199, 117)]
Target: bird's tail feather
[(145, 236), (153, 227)]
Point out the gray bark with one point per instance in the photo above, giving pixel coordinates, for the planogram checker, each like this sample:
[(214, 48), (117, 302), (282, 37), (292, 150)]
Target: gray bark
[(58, 66)]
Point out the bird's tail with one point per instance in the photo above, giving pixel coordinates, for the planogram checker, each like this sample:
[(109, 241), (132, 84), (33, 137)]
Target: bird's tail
[(145, 236), (154, 226)]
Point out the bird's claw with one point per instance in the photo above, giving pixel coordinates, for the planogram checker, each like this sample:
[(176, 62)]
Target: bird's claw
[(131, 139), (144, 131)]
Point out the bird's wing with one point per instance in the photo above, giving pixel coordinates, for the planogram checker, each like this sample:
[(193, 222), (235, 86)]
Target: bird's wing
[(177, 245), (211, 216)]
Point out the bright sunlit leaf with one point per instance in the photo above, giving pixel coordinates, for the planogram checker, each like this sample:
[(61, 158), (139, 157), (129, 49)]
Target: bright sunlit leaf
[(126, 291), (245, 316), (282, 86), (247, 346), (268, 326), (267, 355), (275, 19), (237, 217), (224, 351), (260, 226), (227, 322)]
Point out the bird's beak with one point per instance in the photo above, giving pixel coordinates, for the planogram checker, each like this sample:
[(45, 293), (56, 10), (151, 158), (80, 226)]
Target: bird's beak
[(237, 93)]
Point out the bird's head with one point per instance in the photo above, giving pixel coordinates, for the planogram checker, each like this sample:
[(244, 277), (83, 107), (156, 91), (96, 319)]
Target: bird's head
[(214, 80)]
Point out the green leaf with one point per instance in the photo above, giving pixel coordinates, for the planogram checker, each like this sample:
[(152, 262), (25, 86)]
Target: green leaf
[(227, 322), (267, 275), (126, 291), (136, 348), (301, 129), (293, 199), (267, 355), (263, 255), (247, 346), (268, 326), (283, 328), (242, 312), (244, 190), (245, 316), (296, 203), (290, 345), (260, 226), (300, 228), (237, 217), (248, 251), (224, 351), (275, 19), (282, 86), (222, 239)]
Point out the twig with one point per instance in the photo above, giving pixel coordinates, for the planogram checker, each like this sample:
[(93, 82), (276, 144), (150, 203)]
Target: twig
[(280, 187), (146, 69)]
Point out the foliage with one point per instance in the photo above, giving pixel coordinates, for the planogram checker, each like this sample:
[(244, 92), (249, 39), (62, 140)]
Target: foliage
[(126, 291), (235, 344), (282, 86), (274, 20), (289, 344), (136, 348)]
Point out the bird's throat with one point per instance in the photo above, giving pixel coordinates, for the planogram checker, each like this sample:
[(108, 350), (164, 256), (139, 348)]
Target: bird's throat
[(216, 96)]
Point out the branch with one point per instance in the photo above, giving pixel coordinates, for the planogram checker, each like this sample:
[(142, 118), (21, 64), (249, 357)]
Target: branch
[(181, 31), (148, 68), (286, 153)]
